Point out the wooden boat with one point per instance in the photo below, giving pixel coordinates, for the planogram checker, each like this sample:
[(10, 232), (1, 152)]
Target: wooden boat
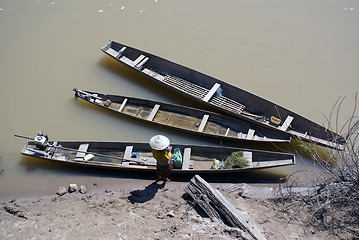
[(222, 96), (183, 118), (138, 156)]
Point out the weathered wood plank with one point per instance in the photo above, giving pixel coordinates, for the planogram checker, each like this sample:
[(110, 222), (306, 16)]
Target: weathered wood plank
[(114, 53), (216, 205), (126, 60), (142, 63), (250, 134), (121, 50), (186, 158), (286, 123), (211, 92), (138, 60), (153, 112), (203, 123), (123, 105), (127, 155), (128, 152), (226, 134), (82, 151)]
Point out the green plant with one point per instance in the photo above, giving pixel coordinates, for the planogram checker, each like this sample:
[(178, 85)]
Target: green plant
[(236, 160)]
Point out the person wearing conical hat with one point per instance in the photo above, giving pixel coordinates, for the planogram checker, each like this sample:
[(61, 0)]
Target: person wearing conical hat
[(161, 150)]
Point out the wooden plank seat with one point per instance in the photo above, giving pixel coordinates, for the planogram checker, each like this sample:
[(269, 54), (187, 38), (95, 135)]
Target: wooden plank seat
[(127, 155), (138, 60), (141, 63), (122, 105), (153, 112), (126, 60), (203, 123), (81, 151), (114, 53), (211, 92), (121, 51), (226, 134), (186, 159), (286, 123), (250, 134)]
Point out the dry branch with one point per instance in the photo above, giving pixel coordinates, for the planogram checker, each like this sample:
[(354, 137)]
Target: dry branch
[(334, 205)]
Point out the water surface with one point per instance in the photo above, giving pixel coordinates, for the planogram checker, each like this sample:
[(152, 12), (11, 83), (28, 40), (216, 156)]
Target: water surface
[(302, 55)]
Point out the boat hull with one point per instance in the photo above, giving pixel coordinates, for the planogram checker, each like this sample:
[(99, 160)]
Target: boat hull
[(222, 96), (138, 156), (191, 120)]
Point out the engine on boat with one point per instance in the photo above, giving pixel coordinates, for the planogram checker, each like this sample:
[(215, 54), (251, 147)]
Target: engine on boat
[(41, 140)]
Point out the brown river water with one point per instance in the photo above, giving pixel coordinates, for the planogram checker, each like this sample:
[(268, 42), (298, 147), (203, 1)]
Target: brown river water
[(303, 55)]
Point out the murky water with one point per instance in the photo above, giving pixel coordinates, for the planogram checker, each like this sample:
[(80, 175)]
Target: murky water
[(303, 55)]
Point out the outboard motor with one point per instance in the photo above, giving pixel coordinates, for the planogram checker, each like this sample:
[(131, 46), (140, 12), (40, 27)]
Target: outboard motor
[(41, 140)]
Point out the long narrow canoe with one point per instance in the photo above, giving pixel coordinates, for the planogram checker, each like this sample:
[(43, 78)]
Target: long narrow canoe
[(138, 156), (222, 96), (184, 118)]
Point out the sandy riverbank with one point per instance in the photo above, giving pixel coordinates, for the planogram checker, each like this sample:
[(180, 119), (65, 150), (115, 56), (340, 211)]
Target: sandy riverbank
[(144, 210)]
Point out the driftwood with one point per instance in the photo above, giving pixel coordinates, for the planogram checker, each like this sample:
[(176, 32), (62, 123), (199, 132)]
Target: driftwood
[(218, 207)]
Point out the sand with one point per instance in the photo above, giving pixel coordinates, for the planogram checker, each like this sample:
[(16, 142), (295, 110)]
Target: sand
[(148, 210)]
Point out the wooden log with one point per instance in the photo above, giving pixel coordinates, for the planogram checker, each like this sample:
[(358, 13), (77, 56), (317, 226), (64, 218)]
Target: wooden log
[(218, 207)]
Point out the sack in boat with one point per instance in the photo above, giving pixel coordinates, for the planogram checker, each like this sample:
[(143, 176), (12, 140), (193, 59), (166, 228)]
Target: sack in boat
[(177, 158)]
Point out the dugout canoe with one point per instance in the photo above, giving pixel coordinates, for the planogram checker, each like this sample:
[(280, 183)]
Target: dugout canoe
[(222, 96), (138, 156), (188, 119)]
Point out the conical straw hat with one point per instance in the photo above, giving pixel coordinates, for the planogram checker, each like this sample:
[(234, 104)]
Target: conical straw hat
[(159, 142)]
